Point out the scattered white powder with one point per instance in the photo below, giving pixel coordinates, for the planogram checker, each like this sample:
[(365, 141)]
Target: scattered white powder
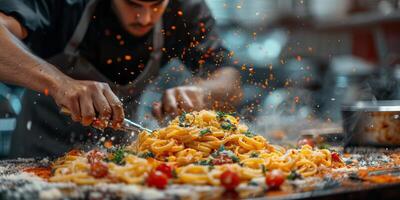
[(50, 194)]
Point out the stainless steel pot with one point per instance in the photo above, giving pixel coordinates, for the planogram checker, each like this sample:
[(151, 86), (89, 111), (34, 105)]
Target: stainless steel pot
[(372, 123)]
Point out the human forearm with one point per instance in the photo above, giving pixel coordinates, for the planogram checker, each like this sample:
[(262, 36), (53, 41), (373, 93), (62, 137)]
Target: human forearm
[(86, 100), (20, 67)]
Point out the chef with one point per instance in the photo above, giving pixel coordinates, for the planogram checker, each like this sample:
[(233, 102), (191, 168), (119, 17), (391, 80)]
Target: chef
[(94, 58)]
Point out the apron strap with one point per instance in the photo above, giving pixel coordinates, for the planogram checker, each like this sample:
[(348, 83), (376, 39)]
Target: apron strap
[(80, 30)]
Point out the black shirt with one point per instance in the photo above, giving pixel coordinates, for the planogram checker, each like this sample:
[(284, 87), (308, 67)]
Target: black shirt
[(188, 27)]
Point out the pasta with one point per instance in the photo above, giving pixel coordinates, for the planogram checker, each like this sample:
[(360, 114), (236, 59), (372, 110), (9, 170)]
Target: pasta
[(200, 146), (383, 128)]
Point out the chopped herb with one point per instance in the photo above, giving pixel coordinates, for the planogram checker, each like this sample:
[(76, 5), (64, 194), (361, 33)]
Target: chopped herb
[(220, 115), (210, 167), (118, 156), (235, 159), (226, 125), (204, 132), (249, 134), (264, 169), (174, 174), (147, 154), (324, 146), (214, 154), (204, 162), (254, 155), (182, 117), (293, 175), (221, 148), (253, 183), (182, 120), (230, 154)]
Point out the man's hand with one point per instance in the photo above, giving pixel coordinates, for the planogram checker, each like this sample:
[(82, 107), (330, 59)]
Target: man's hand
[(180, 99), (86, 100), (89, 101)]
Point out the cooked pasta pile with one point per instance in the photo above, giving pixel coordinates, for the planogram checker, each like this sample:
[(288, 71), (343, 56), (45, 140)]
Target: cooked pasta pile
[(200, 146), (384, 128)]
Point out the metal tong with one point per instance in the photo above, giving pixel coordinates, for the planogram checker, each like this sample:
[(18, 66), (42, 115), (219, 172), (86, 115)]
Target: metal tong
[(126, 126)]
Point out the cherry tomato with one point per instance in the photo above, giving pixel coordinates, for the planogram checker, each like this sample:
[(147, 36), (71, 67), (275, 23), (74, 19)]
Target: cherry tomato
[(98, 169), (306, 141), (166, 169), (335, 157), (95, 156), (274, 179), (157, 179), (222, 159), (230, 180)]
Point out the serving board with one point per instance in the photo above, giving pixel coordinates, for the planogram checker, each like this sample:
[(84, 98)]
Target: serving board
[(342, 184)]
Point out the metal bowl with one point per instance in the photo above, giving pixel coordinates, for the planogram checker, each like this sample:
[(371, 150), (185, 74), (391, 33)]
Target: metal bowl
[(372, 123)]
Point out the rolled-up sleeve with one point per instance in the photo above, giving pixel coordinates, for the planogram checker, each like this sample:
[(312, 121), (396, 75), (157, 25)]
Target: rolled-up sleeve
[(34, 15)]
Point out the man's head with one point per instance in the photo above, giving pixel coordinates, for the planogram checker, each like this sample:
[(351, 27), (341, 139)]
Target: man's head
[(139, 16)]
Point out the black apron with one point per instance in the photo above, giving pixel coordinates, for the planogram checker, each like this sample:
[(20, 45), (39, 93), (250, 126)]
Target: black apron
[(41, 129)]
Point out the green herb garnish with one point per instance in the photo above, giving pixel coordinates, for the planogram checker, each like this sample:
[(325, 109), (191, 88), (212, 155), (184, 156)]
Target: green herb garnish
[(204, 162), (324, 146), (226, 125), (254, 155), (234, 158), (264, 169), (221, 148), (249, 134), (146, 155), (182, 119), (118, 156), (252, 183), (293, 175), (174, 174), (220, 115), (204, 132)]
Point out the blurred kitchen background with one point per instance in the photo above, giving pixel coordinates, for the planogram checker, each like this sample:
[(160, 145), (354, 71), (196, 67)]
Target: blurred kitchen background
[(300, 60)]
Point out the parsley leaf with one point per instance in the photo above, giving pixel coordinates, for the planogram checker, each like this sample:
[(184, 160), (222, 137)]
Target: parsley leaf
[(118, 156), (182, 119), (226, 125), (249, 134), (235, 159), (204, 132), (221, 148), (253, 183), (204, 162), (147, 154), (264, 169), (293, 175), (174, 174), (220, 115), (254, 155), (324, 146)]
